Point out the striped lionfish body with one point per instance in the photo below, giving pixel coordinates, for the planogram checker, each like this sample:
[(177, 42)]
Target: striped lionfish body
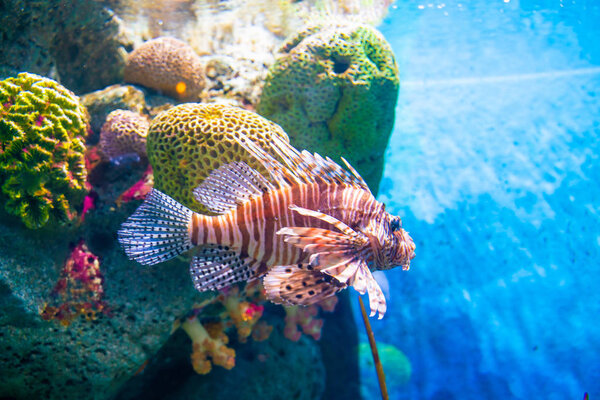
[(310, 230)]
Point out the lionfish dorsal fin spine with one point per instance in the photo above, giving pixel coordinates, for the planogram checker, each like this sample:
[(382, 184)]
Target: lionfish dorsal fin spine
[(230, 185), (301, 167)]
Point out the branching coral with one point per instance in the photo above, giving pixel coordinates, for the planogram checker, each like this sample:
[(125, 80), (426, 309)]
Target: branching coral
[(243, 314), (300, 319), (42, 131), (79, 289), (209, 344)]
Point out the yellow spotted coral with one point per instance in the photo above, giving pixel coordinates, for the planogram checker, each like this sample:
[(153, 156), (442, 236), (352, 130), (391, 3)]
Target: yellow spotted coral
[(168, 65), (124, 132), (187, 142)]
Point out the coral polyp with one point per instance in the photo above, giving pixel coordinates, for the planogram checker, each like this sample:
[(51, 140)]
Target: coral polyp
[(42, 168)]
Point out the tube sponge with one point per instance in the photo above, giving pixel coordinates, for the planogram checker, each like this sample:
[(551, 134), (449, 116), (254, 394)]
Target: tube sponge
[(42, 166)]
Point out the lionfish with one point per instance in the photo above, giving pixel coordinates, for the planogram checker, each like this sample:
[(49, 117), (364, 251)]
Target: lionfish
[(309, 231)]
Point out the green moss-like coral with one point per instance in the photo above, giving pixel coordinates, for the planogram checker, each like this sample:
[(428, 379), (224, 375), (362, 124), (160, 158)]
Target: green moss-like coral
[(333, 90), (187, 142), (42, 166)]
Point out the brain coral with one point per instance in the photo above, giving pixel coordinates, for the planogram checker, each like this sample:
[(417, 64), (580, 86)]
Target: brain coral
[(42, 131), (187, 142), (124, 132), (167, 65), (333, 90)]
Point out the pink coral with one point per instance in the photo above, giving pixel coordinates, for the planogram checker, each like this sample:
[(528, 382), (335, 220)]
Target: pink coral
[(300, 319), (243, 313), (124, 132), (208, 344), (79, 290), (139, 190), (168, 65)]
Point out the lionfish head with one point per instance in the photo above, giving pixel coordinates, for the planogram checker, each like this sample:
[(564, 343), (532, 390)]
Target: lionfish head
[(397, 248)]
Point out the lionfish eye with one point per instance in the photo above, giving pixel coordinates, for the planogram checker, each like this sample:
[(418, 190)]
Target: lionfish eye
[(395, 224)]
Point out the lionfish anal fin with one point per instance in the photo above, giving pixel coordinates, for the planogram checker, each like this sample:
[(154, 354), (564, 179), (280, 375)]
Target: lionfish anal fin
[(215, 267), (229, 186), (299, 284)]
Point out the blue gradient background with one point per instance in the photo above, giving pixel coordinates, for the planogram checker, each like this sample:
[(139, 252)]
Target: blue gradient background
[(494, 166)]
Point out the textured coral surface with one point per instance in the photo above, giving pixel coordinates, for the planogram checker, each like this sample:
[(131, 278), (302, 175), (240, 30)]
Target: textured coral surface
[(124, 132), (169, 66), (333, 90), (188, 141), (42, 168), (80, 41)]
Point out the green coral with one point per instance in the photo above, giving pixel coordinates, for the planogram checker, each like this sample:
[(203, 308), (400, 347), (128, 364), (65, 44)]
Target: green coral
[(42, 166), (187, 142), (333, 89)]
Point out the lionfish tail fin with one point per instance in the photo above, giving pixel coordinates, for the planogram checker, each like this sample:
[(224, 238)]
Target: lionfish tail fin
[(299, 285), (158, 230)]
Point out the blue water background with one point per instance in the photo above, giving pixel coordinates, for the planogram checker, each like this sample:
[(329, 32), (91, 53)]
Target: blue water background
[(493, 166)]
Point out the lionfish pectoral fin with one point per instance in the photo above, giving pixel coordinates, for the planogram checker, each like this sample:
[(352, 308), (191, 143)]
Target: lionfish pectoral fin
[(291, 285), (215, 267), (230, 185), (364, 282)]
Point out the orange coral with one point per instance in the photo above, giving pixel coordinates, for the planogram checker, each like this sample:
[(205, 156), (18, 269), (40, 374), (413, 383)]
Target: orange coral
[(168, 65), (243, 313), (208, 341)]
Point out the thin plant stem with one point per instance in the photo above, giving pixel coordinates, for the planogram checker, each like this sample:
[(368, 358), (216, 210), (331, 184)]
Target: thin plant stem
[(373, 344)]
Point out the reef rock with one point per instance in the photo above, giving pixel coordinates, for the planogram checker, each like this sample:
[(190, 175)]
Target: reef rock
[(102, 102), (78, 42), (73, 328), (276, 368), (333, 89)]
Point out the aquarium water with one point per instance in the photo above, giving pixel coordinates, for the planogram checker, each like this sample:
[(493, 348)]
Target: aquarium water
[(493, 164)]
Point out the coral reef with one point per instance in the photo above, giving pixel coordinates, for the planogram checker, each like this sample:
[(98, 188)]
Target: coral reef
[(42, 167), (124, 132), (167, 65), (78, 42), (273, 369), (115, 97), (188, 141), (79, 290), (242, 313), (333, 89)]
